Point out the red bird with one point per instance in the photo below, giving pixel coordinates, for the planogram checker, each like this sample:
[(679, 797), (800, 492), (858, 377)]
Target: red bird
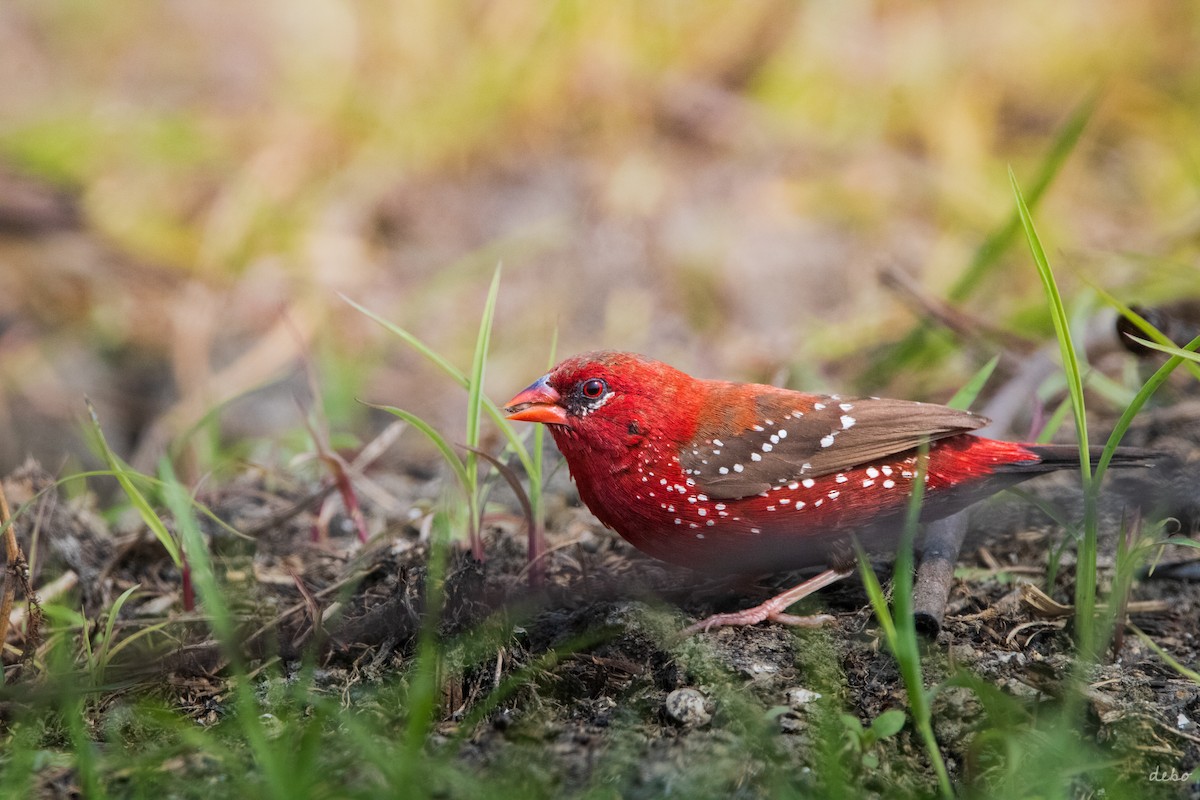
[(737, 477)]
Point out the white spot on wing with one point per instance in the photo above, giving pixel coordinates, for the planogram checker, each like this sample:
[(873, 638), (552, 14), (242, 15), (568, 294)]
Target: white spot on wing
[(847, 421), (827, 440)]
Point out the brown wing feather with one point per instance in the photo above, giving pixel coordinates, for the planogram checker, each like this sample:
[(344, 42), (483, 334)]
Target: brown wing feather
[(791, 436)]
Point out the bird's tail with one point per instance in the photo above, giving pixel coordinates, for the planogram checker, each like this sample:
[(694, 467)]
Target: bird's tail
[(1053, 457)]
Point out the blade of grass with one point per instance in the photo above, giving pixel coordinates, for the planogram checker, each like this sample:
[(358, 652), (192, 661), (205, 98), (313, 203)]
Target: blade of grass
[(965, 397), (1171, 661), (474, 412), (125, 477), (493, 411), (899, 623), (1140, 322), (537, 538), (1178, 356), (423, 678), (1170, 349), (106, 643), (444, 447), (1085, 567), (1055, 421), (268, 758)]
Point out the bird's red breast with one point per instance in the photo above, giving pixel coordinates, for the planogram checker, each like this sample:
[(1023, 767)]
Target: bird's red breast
[(746, 477)]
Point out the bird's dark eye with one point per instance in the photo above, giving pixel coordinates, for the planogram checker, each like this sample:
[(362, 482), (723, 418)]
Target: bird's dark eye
[(594, 388)]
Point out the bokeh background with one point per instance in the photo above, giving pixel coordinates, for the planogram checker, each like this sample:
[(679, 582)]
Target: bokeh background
[(186, 189)]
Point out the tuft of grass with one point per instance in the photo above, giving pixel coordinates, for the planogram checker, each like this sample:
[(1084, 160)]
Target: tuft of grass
[(466, 468), (1091, 637)]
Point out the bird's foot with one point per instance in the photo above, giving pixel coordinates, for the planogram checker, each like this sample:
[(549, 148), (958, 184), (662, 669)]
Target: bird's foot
[(753, 616), (774, 608)]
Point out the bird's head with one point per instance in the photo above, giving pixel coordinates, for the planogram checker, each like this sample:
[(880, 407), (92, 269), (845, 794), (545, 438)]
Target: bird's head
[(606, 401)]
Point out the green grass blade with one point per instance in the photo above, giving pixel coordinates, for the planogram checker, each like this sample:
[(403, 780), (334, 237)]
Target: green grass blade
[(268, 758), (899, 623), (1056, 420), (474, 412), (1169, 349), (1062, 328), (105, 653), (428, 352), (1085, 567), (537, 544), (1179, 356), (479, 362), (1171, 661), (125, 477), (136, 636), (965, 396), (1142, 324), (444, 447), (423, 678), (456, 375)]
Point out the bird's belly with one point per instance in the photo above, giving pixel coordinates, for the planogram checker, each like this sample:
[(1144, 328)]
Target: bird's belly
[(799, 523)]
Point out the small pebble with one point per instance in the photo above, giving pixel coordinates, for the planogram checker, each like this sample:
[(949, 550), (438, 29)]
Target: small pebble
[(687, 707), (799, 696), (792, 722), (1184, 723)]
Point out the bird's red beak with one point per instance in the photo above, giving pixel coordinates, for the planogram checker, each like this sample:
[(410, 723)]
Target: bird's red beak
[(538, 403)]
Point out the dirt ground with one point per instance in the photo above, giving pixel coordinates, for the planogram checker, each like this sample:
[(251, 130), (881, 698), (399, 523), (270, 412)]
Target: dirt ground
[(624, 693)]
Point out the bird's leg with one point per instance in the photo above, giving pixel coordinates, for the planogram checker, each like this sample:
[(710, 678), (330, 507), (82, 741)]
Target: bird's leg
[(774, 608)]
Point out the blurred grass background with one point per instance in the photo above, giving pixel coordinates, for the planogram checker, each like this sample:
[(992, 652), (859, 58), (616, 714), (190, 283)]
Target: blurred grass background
[(185, 188)]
